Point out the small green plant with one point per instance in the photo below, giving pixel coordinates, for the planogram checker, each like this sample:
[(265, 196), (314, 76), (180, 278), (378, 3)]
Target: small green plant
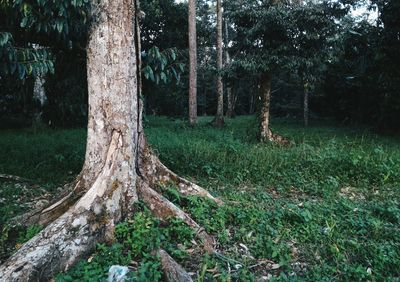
[(29, 233)]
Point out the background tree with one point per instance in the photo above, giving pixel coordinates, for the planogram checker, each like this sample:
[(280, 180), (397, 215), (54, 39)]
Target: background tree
[(219, 117), (192, 64), (314, 42), (231, 98), (263, 45)]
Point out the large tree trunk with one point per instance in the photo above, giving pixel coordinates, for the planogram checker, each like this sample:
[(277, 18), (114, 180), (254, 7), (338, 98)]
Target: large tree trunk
[(192, 64), (108, 178), (119, 168), (219, 118)]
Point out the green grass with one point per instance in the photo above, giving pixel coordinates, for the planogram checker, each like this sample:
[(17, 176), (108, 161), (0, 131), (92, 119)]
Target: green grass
[(326, 208), (49, 156)]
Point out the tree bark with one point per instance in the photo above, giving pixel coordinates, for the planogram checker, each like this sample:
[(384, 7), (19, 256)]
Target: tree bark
[(205, 96), (306, 112), (108, 178), (265, 133), (265, 98), (219, 118), (119, 167), (229, 94), (252, 103), (39, 97), (192, 64)]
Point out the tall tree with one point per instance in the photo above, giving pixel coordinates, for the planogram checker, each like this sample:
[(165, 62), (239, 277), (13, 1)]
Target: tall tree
[(192, 63), (263, 44), (229, 94), (314, 41), (119, 167), (219, 117)]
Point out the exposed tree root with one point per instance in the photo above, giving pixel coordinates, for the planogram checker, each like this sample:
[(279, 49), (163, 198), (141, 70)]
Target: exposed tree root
[(275, 138), (218, 121), (15, 178), (55, 248), (158, 174), (173, 271), (164, 209), (44, 215)]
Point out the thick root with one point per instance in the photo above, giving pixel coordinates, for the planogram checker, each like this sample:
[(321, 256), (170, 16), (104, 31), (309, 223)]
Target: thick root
[(164, 209), (218, 121), (275, 138), (15, 178), (55, 249), (44, 215), (173, 271), (157, 173)]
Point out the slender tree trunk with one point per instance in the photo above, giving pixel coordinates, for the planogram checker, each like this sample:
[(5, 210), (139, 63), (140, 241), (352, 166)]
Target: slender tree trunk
[(39, 96), (205, 96), (252, 103), (265, 133), (265, 98), (230, 102), (192, 64), (39, 92), (306, 112), (219, 118), (119, 167), (229, 111)]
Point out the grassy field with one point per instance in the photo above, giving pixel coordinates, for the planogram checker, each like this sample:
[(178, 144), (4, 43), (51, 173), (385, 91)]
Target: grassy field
[(327, 208)]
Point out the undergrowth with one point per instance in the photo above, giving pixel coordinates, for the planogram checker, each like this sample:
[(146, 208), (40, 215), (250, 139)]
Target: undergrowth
[(136, 239), (326, 208)]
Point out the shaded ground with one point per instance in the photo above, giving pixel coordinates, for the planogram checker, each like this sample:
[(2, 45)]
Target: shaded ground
[(325, 208)]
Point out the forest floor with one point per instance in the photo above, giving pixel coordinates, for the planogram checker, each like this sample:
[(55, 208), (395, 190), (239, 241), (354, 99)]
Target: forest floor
[(326, 208)]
